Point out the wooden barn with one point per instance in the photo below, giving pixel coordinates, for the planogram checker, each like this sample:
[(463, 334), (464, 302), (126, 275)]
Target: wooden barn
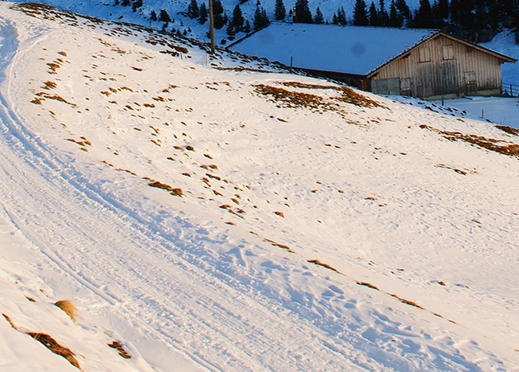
[(415, 62)]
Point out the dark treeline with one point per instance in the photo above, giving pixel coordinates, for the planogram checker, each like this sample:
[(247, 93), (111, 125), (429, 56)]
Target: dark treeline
[(474, 20)]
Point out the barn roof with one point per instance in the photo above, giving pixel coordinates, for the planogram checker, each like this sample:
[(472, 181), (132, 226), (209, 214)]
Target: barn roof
[(345, 49)]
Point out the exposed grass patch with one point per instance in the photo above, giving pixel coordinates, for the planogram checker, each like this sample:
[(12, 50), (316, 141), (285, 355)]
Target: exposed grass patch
[(407, 302), (49, 85), (319, 263), (176, 191), (509, 130), (279, 245), (69, 308), (491, 144), (119, 347), (369, 285), (49, 342)]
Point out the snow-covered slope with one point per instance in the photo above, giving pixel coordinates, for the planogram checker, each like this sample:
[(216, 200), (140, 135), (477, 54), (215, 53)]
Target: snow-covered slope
[(221, 214)]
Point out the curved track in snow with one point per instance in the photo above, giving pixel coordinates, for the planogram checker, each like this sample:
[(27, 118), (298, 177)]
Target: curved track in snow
[(194, 290)]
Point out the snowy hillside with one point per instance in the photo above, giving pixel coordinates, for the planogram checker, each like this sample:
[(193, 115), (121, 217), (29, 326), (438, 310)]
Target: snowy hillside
[(223, 214)]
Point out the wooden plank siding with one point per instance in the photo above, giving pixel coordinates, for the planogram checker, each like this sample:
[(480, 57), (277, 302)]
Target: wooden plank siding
[(443, 66)]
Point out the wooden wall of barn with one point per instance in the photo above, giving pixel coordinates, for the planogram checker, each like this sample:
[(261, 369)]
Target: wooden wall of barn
[(470, 71)]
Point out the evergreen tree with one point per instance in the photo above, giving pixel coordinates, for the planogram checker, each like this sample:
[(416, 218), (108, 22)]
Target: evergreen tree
[(136, 5), (219, 17), (237, 21), (280, 11), (360, 16), (153, 16), (125, 3), (395, 18), (164, 16), (319, 18), (373, 15), (202, 18), (382, 13), (260, 18), (403, 10), (302, 12), (192, 10), (341, 17), (443, 7)]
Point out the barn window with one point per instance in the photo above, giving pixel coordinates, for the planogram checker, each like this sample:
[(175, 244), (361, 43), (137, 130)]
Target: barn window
[(425, 55), (448, 52)]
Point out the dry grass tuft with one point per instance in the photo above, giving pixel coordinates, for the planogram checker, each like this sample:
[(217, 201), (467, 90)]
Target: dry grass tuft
[(69, 308), (407, 302), (369, 285), (172, 190), (509, 130), (282, 246), (119, 347), (49, 85), (491, 144), (280, 214), (49, 342), (317, 262)]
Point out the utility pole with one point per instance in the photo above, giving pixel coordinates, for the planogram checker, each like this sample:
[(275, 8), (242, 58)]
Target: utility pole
[(211, 25)]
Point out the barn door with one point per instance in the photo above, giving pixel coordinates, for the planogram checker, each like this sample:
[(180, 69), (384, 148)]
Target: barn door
[(470, 83)]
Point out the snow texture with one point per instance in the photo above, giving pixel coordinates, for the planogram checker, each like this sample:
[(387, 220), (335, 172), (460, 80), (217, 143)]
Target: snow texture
[(220, 214)]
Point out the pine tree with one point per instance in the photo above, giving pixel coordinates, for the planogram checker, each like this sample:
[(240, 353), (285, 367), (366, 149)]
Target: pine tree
[(153, 16), (302, 12), (341, 17), (373, 15), (280, 11), (219, 16), (382, 13), (136, 5), (202, 18), (360, 16), (164, 16), (260, 18), (395, 18), (193, 10), (403, 10), (319, 18), (236, 23), (443, 7)]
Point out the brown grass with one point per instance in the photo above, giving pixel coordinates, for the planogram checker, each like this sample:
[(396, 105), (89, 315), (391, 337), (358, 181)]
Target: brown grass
[(176, 191), (369, 285), (407, 302), (49, 342), (491, 144), (49, 85), (317, 262), (275, 244), (119, 347), (347, 95), (280, 214), (509, 130), (69, 308)]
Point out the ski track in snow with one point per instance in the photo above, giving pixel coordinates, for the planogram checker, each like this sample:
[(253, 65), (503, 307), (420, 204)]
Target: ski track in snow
[(221, 301)]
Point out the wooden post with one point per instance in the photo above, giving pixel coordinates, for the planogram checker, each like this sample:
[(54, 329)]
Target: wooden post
[(211, 25)]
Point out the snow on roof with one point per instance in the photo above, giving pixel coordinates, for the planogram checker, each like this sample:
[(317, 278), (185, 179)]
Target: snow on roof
[(349, 49)]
